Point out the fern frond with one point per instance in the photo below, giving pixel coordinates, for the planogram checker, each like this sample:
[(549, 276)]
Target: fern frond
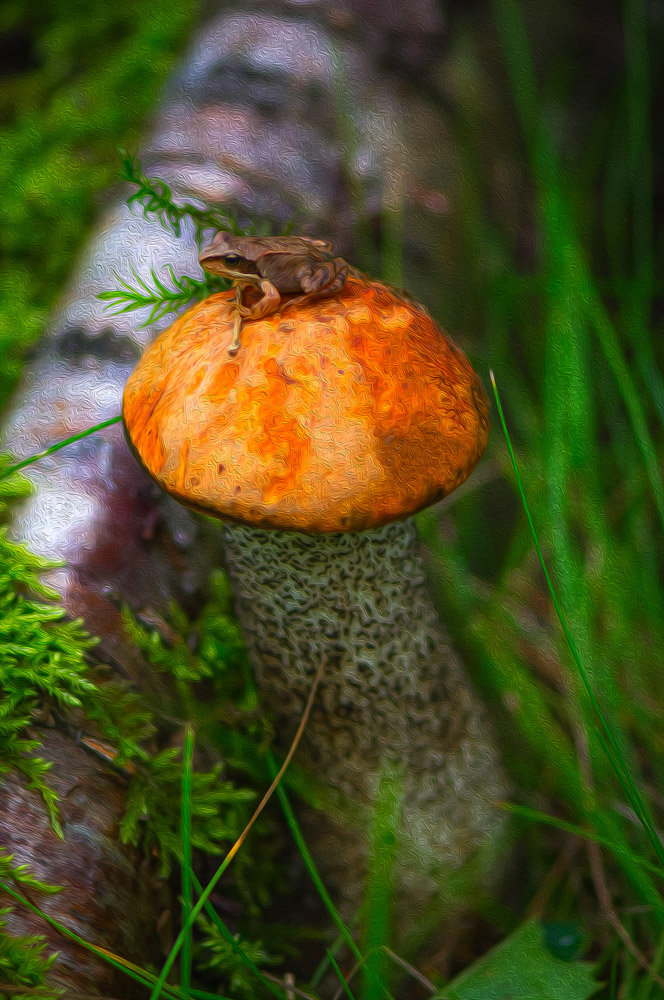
[(160, 299), (156, 199)]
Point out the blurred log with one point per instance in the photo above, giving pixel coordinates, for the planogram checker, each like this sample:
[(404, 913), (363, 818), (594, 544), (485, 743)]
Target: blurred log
[(109, 894)]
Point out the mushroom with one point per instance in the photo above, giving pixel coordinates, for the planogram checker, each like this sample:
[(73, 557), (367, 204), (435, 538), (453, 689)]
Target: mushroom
[(335, 423)]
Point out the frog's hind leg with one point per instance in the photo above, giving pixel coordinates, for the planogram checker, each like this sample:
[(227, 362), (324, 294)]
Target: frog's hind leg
[(334, 273), (341, 273), (325, 278)]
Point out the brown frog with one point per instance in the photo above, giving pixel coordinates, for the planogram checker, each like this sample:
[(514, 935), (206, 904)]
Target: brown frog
[(276, 266)]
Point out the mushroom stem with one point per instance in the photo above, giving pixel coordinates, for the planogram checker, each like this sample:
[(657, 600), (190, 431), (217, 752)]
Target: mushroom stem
[(393, 692)]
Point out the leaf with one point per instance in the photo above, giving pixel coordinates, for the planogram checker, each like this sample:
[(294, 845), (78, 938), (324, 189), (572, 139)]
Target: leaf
[(522, 968)]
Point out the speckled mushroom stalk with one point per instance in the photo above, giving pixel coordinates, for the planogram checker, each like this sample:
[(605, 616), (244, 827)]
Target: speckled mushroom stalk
[(332, 422), (393, 691)]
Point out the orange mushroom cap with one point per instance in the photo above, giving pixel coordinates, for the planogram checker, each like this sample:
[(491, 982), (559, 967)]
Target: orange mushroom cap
[(339, 414)]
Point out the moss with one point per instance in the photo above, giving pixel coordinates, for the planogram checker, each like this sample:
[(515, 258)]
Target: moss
[(48, 671), (77, 80)]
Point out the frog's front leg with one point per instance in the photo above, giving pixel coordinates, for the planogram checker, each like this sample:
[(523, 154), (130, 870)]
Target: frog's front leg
[(269, 303), (239, 311)]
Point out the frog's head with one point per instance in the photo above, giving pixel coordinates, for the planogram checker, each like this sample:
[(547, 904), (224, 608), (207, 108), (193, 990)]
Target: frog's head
[(230, 256)]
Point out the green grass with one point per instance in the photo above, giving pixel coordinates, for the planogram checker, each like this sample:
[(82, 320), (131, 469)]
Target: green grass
[(78, 80), (579, 371), (186, 864)]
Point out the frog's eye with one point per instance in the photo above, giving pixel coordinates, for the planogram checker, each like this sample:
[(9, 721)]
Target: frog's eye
[(232, 259)]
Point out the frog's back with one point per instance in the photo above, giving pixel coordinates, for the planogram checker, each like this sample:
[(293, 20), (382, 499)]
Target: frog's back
[(294, 245)]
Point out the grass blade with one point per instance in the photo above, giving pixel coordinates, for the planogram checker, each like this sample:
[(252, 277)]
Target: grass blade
[(205, 895), (638, 105), (608, 739), (535, 816), (57, 447), (237, 948), (559, 230), (309, 863), (186, 868), (344, 985), (382, 858), (134, 972)]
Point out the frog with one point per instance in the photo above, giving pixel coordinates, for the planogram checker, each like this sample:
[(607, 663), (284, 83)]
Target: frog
[(275, 266)]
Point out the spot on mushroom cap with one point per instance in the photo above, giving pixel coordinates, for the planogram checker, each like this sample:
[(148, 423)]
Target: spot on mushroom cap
[(337, 414)]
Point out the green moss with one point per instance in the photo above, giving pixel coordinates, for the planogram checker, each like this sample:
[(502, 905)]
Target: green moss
[(78, 79), (23, 963), (47, 670), (22, 958), (42, 657), (204, 664)]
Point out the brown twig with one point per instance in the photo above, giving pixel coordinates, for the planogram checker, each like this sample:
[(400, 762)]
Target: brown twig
[(396, 958), (289, 756), (356, 968), (410, 969), (289, 987), (205, 895), (597, 869), (604, 897), (39, 990)]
